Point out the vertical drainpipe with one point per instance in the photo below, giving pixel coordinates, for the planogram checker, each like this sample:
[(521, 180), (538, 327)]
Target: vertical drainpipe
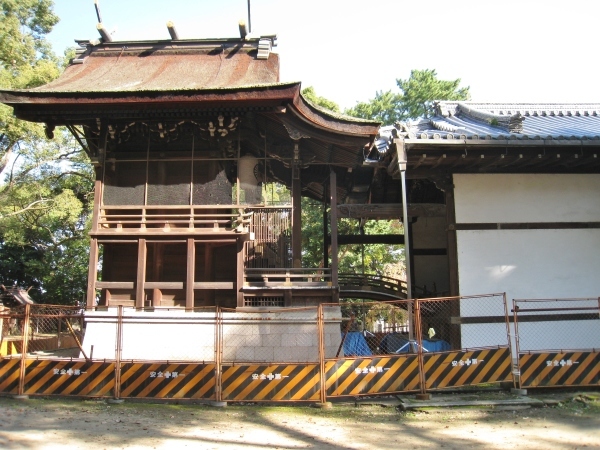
[(402, 158)]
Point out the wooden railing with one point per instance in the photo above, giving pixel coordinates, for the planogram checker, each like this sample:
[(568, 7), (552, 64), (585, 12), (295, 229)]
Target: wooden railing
[(208, 218), (300, 277)]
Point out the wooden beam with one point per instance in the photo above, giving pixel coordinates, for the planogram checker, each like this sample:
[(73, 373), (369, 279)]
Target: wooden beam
[(352, 239), (391, 210)]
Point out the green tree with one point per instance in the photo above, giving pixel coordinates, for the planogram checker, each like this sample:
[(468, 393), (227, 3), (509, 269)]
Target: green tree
[(376, 259), (415, 99), (310, 94), (45, 186)]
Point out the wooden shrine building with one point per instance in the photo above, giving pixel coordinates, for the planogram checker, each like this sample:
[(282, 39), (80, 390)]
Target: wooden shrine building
[(183, 134)]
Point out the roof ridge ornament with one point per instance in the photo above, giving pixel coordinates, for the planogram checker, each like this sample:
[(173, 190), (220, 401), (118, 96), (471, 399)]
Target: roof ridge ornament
[(511, 122)]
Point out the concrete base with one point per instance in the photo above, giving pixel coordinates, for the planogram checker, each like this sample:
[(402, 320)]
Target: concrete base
[(218, 404), (518, 391), (115, 401), (423, 396), (21, 397)]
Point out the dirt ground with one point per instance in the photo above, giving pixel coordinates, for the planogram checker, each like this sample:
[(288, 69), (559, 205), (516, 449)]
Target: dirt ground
[(573, 422)]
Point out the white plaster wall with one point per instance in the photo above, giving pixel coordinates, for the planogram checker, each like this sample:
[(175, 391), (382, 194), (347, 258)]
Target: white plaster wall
[(529, 263), (506, 198), (286, 336)]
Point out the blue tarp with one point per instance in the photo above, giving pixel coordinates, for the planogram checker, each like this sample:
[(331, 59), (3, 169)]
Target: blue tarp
[(398, 343), (355, 344)]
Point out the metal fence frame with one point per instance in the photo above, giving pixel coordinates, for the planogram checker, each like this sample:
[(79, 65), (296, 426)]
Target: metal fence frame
[(556, 366), (321, 376)]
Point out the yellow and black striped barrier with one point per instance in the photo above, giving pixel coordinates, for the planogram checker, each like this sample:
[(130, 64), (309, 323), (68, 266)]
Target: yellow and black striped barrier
[(282, 382), (379, 375), (168, 380), (10, 370), (559, 369), (47, 377), (455, 369)]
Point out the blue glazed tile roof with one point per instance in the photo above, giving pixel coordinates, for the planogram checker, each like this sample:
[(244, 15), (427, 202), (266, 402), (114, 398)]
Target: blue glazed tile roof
[(505, 121)]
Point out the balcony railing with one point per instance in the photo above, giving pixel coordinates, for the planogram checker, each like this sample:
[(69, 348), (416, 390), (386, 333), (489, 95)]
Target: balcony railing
[(214, 218), (291, 277)]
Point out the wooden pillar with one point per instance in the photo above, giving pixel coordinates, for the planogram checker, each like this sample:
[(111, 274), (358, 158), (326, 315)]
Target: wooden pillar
[(452, 241), (334, 227), (191, 266), (93, 262), (141, 274), (157, 272), (325, 230), (209, 294), (92, 274), (240, 273), (296, 219)]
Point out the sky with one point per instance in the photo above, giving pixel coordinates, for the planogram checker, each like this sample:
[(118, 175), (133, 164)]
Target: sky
[(505, 51)]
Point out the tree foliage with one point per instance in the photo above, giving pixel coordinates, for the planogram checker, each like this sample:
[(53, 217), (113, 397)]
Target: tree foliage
[(45, 186), (310, 94), (375, 259), (415, 99)]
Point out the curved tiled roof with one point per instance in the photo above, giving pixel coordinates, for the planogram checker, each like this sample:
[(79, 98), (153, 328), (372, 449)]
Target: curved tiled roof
[(469, 121)]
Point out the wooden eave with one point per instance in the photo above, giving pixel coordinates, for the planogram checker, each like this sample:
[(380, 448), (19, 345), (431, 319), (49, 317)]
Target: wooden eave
[(80, 107)]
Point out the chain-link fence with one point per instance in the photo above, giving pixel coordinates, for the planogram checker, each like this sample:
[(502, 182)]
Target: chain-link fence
[(557, 324), (44, 331), (440, 324), (12, 321)]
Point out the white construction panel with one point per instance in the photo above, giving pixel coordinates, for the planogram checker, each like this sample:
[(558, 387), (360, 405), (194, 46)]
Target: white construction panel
[(527, 198)]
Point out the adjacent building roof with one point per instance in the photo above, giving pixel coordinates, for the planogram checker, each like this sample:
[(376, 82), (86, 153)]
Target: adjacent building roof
[(472, 121), (469, 137)]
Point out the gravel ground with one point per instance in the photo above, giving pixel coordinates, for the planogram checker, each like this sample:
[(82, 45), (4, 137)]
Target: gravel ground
[(572, 421)]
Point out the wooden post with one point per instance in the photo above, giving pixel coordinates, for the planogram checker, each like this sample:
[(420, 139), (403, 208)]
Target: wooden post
[(209, 294), (141, 274), (334, 228), (24, 349), (191, 266), (97, 199), (157, 272), (92, 274), (455, 334), (296, 221), (325, 232), (321, 330), (452, 244), (240, 272)]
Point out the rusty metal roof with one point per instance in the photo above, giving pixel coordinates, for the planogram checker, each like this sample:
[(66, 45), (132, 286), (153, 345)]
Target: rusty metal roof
[(166, 66)]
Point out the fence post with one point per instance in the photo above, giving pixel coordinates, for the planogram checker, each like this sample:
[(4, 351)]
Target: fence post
[(118, 350), (516, 370), (218, 355), (419, 338), (24, 349), (320, 327)]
